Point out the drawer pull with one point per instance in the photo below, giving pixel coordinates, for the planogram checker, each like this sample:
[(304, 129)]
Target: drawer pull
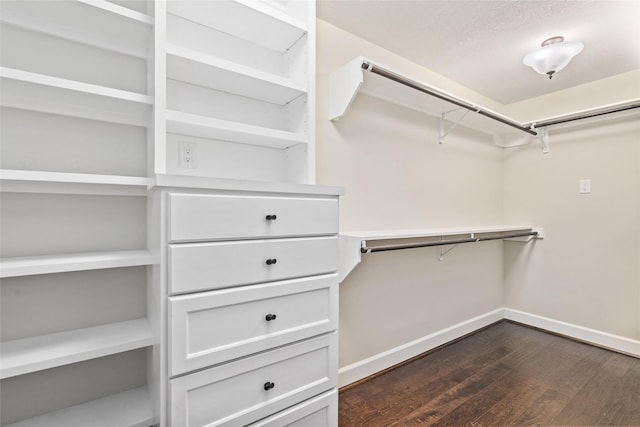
[(268, 385), (271, 261), (271, 217), (270, 317)]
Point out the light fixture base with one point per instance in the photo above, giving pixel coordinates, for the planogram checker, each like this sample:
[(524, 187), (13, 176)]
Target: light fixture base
[(552, 40)]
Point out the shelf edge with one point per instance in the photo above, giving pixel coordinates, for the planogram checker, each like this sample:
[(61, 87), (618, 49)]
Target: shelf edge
[(30, 266), (64, 348)]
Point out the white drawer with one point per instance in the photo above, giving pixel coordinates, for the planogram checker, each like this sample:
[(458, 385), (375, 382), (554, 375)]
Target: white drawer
[(198, 217), (249, 389), (321, 411), (204, 266), (211, 327)]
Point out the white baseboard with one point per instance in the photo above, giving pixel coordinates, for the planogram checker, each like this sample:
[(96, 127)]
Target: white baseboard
[(592, 336), (381, 361)]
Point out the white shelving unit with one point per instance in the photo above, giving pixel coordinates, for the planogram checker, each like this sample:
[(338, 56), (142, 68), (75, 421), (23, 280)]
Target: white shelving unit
[(76, 106), (115, 88), (243, 93), (351, 242)]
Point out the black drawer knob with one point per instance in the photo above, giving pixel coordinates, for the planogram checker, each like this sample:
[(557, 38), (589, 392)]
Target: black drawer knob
[(271, 261), (271, 217), (269, 317), (269, 385)]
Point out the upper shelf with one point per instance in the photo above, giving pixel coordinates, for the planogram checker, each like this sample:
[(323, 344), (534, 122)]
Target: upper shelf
[(209, 127), (98, 23), (48, 94), (250, 20), (216, 73), (364, 76)]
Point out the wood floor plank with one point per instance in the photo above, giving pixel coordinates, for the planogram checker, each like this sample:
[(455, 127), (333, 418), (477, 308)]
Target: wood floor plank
[(455, 396), (587, 404), (507, 374), (510, 406)]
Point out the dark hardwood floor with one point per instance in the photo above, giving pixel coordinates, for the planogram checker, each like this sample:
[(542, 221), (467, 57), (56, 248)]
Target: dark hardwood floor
[(506, 374)]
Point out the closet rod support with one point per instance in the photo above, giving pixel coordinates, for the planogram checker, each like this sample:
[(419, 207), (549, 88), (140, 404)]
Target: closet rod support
[(443, 131)]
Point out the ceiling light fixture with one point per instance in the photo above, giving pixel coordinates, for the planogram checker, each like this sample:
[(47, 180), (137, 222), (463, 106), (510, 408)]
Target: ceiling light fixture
[(554, 55)]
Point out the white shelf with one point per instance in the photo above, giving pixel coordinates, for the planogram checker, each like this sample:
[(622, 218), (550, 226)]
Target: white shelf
[(225, 184), (351, 241), (24, 181), (33, 354), (98, 23), (431, 232), (130, 408), (224, 130), (351, 79), (205, 70), (261, 24), (29, 266), (38, 92)]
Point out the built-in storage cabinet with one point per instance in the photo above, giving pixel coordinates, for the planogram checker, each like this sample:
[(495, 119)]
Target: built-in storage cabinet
[(272, 274), (100, 99), (75, 114), (241, 95)]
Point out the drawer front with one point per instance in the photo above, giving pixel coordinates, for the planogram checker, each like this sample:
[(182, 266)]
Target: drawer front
[(196, 217), (204, 266), (249, 389), (321, 411), (211, 327)]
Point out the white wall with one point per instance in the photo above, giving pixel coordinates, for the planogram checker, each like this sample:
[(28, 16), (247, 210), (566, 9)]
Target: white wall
[(397, 176), (586, 270)]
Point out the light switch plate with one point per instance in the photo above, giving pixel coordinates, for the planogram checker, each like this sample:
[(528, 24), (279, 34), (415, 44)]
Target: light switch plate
[(585, 186)]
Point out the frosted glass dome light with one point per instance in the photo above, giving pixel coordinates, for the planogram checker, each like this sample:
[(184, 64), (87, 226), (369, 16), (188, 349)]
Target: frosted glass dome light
[(554, 55)]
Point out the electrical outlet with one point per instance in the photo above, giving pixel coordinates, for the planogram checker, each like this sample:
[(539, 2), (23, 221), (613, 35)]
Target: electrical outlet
[(187, 155)]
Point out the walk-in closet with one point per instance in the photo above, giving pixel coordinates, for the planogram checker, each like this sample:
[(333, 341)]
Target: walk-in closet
[(289, 212)]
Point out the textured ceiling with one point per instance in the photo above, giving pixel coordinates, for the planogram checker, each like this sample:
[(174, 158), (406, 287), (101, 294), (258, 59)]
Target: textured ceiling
[(480, 44)]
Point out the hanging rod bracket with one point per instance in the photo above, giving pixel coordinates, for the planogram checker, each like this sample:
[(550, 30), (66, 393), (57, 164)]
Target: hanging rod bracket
[(444, 252), (443, 116), (544, 139)]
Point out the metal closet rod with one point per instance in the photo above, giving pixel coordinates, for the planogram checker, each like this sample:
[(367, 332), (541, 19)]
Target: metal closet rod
[(586, 116), (365, 250), (413, 85)]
